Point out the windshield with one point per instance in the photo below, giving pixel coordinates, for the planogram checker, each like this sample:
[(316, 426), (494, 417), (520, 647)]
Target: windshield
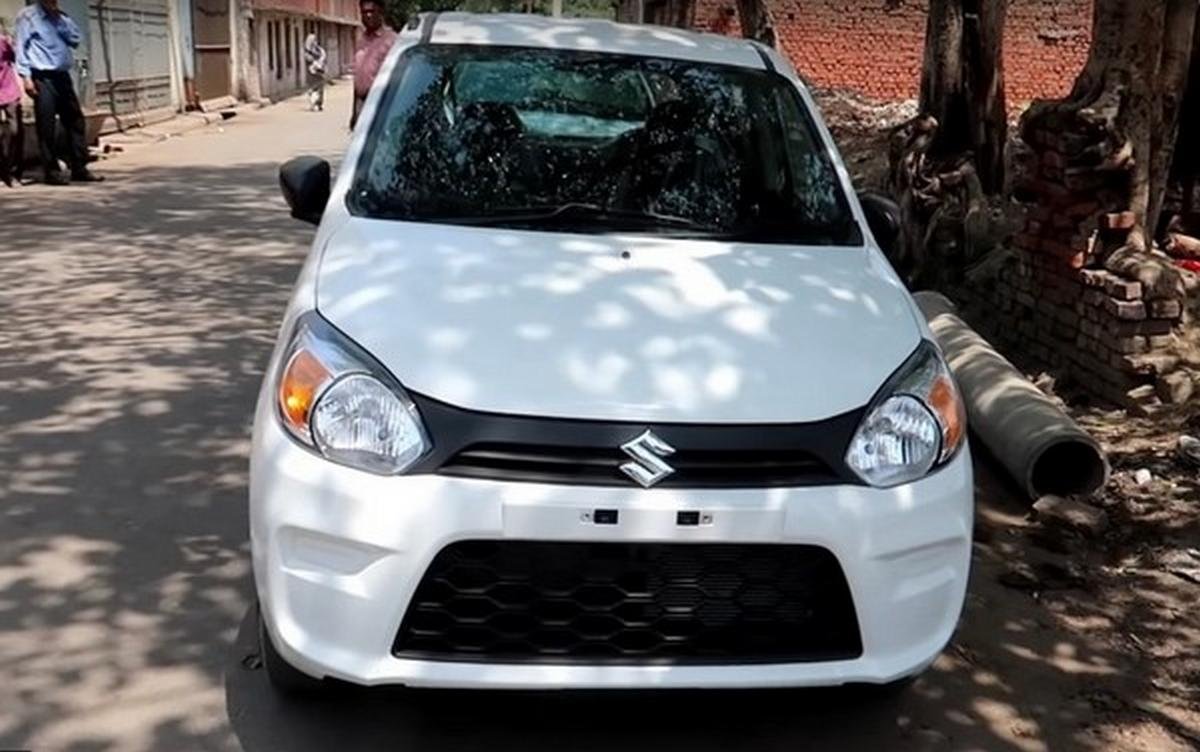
[(570, 141)]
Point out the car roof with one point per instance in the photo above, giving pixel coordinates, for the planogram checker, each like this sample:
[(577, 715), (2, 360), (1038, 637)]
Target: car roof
[(588, 34)]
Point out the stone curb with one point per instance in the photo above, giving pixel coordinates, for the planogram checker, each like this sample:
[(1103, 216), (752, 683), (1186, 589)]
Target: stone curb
[(181, 124)]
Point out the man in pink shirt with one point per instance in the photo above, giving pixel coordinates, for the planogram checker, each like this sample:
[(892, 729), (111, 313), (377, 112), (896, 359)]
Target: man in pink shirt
[(11, 145), (373, 46)]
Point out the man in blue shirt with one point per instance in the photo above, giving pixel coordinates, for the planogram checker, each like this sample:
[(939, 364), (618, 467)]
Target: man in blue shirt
[(45, 39)]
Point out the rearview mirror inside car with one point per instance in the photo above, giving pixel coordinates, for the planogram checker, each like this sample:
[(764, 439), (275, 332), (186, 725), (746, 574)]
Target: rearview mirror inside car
[(884, 218), (305, 184)]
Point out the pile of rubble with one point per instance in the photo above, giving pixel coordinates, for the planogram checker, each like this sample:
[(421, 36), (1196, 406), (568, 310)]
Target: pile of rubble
[(849, 111)]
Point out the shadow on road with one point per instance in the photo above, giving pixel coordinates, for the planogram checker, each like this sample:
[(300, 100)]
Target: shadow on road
[(137, 318)]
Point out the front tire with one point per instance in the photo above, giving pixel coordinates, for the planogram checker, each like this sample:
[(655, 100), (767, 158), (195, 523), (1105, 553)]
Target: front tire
[(284, 677)]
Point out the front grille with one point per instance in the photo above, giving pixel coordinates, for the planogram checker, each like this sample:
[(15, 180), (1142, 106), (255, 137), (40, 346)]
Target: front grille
[(495, 446), (519, 601), (601, 467)]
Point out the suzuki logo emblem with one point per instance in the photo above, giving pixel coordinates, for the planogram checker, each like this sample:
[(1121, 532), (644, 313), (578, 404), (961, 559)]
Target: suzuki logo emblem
[(647, 452)]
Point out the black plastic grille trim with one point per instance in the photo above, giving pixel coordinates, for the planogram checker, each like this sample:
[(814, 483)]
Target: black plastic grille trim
[(597, 467), (494, 446), (557, 602)]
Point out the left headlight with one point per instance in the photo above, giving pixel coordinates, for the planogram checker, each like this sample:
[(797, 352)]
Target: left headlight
[(336, 400), (916, 423)]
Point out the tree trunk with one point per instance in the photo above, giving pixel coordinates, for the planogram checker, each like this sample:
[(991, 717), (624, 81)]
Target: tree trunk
[(684, 11), (989, 116), (946, 161), (1125, 106), (1173, 74), (1107, 21), (943, 75), (962, 83), (756, 21)]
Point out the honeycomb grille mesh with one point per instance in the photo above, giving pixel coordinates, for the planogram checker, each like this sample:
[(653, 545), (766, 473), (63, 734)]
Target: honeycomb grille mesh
[(516, 601)]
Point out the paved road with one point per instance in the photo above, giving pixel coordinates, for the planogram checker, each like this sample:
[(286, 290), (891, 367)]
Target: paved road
[(137, 317)]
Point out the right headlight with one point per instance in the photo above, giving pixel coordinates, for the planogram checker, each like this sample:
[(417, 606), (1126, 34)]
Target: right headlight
[(338, 402), (916, 423)]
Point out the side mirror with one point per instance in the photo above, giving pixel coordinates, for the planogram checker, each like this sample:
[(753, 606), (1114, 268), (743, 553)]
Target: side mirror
[(884, 218), (305, 184)]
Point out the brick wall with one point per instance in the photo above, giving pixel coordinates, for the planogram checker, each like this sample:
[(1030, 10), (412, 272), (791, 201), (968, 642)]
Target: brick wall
[(1045, 46), (1118, 335), (875, 47)]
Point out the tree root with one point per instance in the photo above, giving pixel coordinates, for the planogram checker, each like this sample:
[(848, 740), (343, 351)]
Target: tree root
[(945, 211), (1095, 118)]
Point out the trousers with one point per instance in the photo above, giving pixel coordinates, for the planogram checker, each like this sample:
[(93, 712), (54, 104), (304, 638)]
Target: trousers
[(56, 102), (12, 142)]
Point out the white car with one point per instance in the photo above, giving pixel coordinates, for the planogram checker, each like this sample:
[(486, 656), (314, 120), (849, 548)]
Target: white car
[(597, 377)]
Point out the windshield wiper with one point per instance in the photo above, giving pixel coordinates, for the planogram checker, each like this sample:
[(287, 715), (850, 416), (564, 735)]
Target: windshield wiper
[(570, 213)]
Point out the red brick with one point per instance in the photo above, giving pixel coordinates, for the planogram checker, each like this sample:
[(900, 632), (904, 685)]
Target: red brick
[(1122, 289), (1149, 327), (1126, 310)]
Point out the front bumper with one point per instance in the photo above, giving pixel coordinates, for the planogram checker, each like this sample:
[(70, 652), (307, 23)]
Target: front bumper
[(338, 554)]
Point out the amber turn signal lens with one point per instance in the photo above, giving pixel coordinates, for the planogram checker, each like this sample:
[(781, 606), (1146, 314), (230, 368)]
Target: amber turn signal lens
[(298, 389), (946, 402)]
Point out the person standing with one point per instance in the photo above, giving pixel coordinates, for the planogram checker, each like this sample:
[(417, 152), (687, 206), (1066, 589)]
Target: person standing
[(46, 37), (12, 148), (372, 49), (314, 58)]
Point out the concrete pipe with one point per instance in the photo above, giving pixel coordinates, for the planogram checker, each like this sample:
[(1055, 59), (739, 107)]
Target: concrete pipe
[(1040, 446)]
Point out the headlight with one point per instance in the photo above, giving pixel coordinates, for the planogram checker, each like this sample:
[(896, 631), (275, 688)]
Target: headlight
[(336, 400), (916, 422)]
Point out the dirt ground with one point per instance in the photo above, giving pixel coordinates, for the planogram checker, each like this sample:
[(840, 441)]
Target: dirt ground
[(1112, 614)]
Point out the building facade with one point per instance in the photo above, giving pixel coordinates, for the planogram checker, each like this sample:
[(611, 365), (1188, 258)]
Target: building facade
[(143, 61), (277, 30)]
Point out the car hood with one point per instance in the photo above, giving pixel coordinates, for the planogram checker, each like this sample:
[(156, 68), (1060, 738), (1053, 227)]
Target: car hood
[(610, 327)]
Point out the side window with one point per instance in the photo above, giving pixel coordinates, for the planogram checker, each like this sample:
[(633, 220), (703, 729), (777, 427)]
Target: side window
[(814, 182)]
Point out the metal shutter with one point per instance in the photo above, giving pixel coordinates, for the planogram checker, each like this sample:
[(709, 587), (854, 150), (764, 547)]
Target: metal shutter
[(130, 55)]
